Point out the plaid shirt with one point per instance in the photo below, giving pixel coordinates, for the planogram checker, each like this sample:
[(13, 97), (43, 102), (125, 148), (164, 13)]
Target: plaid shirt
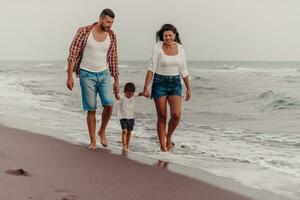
[(78, 45)]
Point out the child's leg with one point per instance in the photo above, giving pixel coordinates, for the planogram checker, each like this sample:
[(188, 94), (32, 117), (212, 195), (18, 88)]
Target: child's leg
[(130, 126), (124, 139), (128, 138)]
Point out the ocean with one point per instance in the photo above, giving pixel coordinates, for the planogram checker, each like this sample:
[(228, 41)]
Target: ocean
[(242, 121)]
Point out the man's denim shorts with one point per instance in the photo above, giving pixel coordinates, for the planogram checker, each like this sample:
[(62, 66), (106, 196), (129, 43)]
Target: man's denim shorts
[(166, 86), (93, 83)]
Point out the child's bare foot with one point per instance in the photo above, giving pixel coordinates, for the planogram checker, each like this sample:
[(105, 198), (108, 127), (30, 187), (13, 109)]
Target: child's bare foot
[(103, 139)]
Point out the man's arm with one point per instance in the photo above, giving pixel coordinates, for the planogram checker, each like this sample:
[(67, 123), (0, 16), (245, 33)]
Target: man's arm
[(117, 96), (116, 84), (70, 80), (74, 51)]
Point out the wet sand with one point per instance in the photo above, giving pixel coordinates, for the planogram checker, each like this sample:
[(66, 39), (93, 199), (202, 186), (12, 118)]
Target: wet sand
[(39, 167)]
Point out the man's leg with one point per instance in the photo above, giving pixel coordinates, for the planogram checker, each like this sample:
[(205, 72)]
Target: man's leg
[(91, 123), (89, 94), (106, 114), (105, 91)]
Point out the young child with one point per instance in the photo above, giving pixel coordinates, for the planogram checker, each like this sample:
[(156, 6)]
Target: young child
[(126, 104)]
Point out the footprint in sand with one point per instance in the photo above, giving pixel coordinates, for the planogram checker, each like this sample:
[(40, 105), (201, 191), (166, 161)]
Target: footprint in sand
[(18, 172), (69, 198)]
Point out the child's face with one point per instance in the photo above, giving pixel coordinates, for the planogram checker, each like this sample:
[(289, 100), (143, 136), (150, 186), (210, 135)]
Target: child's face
[(128, 94)]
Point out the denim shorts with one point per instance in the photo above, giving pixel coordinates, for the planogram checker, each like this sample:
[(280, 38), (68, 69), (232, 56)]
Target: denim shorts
[(93, 83), (166, 86), (127, 124)]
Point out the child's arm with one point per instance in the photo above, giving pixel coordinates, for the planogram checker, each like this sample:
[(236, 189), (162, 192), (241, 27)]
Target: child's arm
[(140, 94)]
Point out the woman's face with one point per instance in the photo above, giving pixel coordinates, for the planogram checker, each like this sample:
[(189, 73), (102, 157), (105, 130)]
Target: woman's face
[(169, 37)]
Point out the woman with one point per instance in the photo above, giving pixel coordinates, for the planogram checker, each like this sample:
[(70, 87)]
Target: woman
[(167, 64)]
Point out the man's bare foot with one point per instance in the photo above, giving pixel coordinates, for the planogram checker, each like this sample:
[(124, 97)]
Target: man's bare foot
[(103, 139)]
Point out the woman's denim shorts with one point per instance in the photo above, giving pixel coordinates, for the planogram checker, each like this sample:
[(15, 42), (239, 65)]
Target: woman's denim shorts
[(166, 86)]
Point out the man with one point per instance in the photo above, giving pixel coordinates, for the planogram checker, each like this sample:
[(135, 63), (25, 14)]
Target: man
[(93, 57)]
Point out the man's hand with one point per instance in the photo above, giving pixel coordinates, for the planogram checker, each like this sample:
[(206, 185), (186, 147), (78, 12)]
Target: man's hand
[(117, 96), (116, 85), (70, 82)]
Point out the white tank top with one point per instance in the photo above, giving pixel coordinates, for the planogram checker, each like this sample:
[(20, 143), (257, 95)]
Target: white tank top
[(168, 65), (94, 55)]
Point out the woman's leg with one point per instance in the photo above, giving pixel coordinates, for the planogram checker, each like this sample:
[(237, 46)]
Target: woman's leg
[(128, 138), (161, 109), (175, 112)]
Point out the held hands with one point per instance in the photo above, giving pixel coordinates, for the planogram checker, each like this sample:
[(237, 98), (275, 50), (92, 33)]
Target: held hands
[(117, 96), (146, 93)]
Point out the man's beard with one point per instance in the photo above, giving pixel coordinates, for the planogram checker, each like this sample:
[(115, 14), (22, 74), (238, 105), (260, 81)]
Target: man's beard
[(106, 29)]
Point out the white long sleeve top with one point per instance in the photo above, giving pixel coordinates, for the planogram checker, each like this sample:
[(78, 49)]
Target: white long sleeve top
[(168, 65)]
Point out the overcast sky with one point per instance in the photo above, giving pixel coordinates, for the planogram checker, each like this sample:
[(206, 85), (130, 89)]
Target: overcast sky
[(210, 29)]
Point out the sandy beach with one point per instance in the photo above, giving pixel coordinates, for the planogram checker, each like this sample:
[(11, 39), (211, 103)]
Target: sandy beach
[(54, 169)]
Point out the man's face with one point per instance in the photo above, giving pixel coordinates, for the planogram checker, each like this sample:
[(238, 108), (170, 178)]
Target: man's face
[(106, 23)]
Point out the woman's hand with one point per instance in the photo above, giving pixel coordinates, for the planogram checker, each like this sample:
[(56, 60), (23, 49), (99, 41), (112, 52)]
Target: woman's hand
[(146, 93), (188, 95), (148, 78)]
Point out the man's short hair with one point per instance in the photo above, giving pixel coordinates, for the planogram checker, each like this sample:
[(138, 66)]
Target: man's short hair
[(129, 87), (107, 12)]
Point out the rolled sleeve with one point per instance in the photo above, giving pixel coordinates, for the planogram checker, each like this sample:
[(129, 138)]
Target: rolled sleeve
[(183, 68), (153, 60), (113, 57)]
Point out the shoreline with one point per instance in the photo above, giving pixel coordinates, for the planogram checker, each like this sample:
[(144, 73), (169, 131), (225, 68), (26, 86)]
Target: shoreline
[(198, 182), (59, 170)]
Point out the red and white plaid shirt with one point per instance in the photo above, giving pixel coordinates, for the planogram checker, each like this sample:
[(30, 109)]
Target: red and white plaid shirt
[(78, 45)]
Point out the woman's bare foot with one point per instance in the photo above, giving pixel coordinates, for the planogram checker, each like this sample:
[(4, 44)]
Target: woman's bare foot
[(163, 149), (125, 149), (92, 147), (103, 139), (169, 144)]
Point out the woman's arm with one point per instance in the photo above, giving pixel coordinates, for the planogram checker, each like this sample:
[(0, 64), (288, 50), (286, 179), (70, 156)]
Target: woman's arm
[(183, 67), (188, 93), (148, 78)]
